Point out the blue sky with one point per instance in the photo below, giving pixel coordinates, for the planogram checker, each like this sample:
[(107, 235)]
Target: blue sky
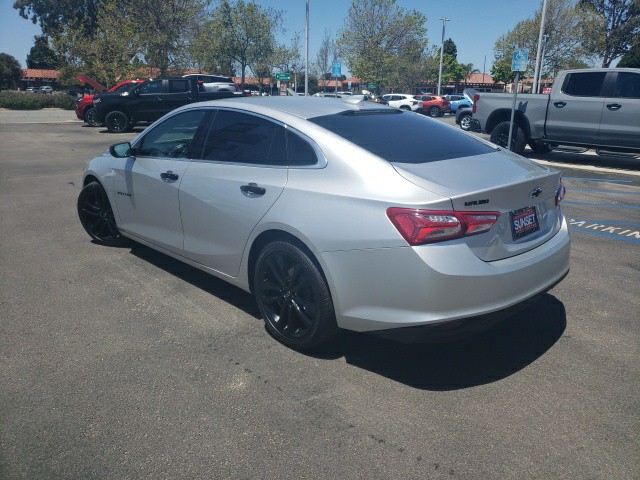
[(475, 24)]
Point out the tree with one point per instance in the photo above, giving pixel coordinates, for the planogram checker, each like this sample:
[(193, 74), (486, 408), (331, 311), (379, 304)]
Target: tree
[(55, 15), (450, 48), (10, 71), (564, 45), (323, 57), (452, 71), (379, 38), (609, 27), (501, 72), (468, 69), (41, 55), (242, 31), (631, 59)]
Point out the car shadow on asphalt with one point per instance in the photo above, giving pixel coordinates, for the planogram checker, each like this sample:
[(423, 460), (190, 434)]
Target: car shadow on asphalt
[(485, 357)]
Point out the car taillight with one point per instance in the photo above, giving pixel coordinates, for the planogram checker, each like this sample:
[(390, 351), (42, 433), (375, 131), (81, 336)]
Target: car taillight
[(560, 193), (475, 101), (418, 227)]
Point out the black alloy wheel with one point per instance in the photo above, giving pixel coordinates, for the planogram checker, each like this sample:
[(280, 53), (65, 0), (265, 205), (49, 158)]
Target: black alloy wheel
[(97, 217), (405, 107), (90, 117), (500, 136), (117, 121), (434, 112), (293, 297)]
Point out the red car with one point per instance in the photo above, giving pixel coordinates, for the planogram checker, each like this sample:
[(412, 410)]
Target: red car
[(84, 107), (433, 105)]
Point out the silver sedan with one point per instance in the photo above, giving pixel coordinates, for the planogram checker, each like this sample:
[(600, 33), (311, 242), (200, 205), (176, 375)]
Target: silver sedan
[(335, 213)]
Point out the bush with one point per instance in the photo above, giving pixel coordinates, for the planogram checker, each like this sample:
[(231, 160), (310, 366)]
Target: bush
[(35, 101)]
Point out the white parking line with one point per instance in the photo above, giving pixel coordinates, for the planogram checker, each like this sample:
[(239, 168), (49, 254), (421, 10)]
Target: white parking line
[(586, 167)]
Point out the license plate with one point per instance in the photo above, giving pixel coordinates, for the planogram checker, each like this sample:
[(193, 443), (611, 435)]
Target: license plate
[(524, 222)]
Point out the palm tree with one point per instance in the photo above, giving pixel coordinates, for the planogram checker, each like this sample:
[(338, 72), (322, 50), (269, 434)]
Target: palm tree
[(468, 69)]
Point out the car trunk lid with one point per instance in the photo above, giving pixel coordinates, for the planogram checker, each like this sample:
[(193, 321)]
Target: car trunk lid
[(520, 190)]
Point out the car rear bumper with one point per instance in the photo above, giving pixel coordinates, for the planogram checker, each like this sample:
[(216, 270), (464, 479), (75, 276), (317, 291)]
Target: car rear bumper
[(381, 289)]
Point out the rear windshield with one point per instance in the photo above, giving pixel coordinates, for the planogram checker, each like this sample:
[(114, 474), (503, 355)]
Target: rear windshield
[(401, 137)]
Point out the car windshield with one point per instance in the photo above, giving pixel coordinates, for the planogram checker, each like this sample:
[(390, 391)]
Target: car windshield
[(408, 138), (125, 87)]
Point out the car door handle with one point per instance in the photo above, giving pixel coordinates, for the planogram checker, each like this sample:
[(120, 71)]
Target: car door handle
[(559, 104), (253, 190), (169, 176), (614, 106)]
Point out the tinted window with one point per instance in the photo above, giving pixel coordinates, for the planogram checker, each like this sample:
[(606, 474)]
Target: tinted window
[(240, 138), (172, 138), (299, 152), (179, 86), (151, 87), (627, 85), (408, 138), (586, 84)]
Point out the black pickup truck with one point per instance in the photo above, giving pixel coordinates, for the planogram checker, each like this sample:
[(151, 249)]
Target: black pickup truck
[(150, 101)]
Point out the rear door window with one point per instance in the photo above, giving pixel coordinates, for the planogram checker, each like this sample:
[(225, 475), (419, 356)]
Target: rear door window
[(627, 85), (584, 84), (154, 86), (179, 86), (238, 137), (408, 138)]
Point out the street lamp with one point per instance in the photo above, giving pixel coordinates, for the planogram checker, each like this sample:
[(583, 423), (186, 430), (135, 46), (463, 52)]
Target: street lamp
[(306, 56), (444, 22), (538, 56)]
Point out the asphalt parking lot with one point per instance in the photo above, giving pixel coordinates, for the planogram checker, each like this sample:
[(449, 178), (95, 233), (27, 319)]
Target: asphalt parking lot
[(124, 363)]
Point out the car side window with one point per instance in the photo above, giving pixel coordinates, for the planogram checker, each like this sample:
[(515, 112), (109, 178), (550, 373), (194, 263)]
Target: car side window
[(584, 84), (240, 138), (627, 85), (179, 86), (173, 137), (299, 152), (154, 86)]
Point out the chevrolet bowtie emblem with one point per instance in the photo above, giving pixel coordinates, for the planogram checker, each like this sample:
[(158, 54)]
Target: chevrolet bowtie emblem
[(535, 192)]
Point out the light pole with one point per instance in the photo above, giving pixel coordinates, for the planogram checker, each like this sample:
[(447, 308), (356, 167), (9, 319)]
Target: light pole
[(306, 57), (444, 22), (538, 56), (544, 51)]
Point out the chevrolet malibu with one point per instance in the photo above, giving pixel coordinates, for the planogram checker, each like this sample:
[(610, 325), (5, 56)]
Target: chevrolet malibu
[(335, 213)]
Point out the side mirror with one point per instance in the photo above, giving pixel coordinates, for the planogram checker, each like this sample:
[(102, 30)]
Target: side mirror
[(120, 150)]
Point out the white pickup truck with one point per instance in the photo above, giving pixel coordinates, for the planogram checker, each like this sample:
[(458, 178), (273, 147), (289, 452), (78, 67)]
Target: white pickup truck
[(594, 108)]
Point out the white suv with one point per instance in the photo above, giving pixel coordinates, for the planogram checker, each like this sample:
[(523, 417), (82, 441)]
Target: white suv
[(402, 101), (214, 83)]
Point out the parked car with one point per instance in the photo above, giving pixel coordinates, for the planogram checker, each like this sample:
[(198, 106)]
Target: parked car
[(32, 89), (463, 118), (214, 83), (329, 94), (593, 108), (85, 110), (402, 101), (46, 89), (318, 206), (457, 101), (432, 105), (150, 100)]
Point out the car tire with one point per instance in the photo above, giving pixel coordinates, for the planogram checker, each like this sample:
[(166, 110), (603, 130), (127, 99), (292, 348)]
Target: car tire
[(405, 107), (465, 122), (435, 112), (540, 147), (117, 121), (96, 216), (90, 117), (293, 297), (500, 136)]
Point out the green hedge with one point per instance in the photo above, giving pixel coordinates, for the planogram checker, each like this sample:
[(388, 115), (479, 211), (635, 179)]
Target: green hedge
[(35, 101)]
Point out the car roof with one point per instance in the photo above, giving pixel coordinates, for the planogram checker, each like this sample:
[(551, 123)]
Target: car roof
[(300, 107)]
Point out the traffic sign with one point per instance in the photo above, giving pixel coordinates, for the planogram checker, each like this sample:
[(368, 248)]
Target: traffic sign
[(336, 69), (520, 60), (372, 85), (283, 77)]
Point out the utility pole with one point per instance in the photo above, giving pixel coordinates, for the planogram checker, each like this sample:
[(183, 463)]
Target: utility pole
[(444, 22), (538, 55), (544, 51), (306, 57)]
